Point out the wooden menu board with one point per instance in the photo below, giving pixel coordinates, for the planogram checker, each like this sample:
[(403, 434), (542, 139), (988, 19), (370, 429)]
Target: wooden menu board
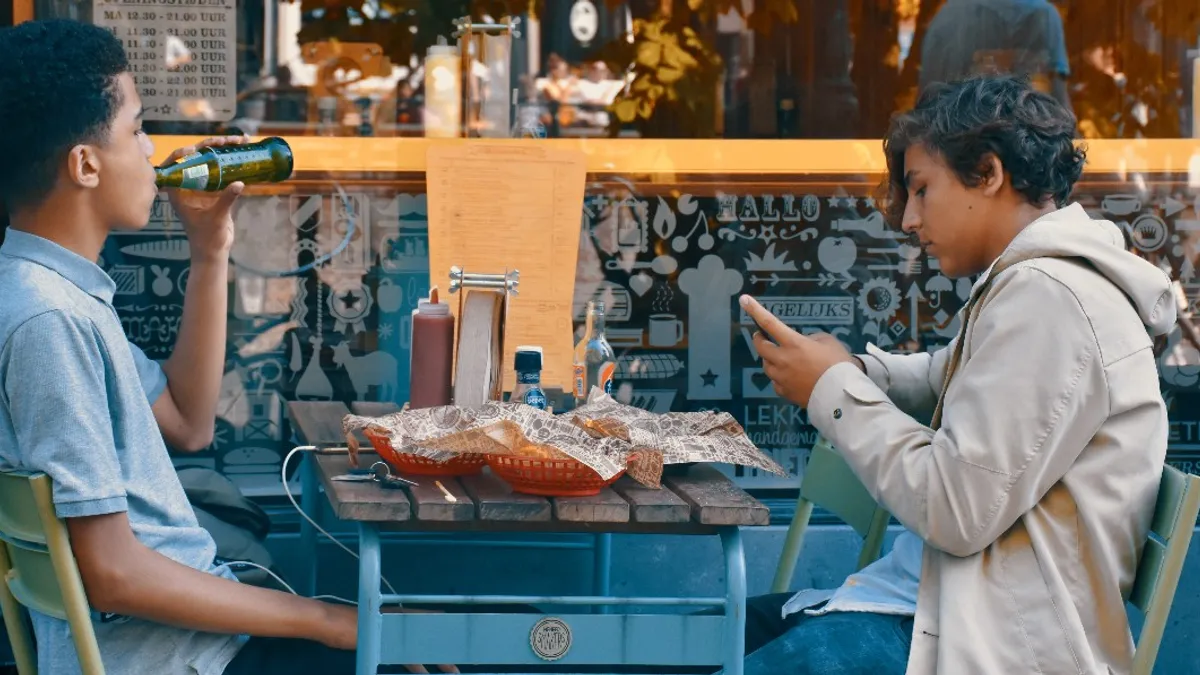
[(498, 206)]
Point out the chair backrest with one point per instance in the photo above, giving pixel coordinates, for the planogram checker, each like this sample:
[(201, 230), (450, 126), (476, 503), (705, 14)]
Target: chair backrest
[(1158, 572), (831, 484), (38, 567)]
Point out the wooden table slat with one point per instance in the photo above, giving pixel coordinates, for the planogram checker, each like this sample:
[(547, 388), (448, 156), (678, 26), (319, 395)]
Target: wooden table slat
[(714, 499), (648, 505), (318, 422), (495, 500), (374, 408), (430, 503), (606, 507), (693, 499), (361, 501)]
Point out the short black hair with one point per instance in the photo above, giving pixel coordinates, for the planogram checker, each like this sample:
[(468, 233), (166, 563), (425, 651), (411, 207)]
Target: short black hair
[(58, 88), (1031, 133)]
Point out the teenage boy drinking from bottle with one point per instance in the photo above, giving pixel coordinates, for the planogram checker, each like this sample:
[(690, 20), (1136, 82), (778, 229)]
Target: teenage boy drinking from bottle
[(83, 405)]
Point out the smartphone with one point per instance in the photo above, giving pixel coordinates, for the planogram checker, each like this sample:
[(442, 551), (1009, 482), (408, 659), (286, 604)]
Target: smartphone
[(766, 336), (757, 328)]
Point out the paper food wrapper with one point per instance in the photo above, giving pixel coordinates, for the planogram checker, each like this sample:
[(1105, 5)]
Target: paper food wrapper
[(604, 434)]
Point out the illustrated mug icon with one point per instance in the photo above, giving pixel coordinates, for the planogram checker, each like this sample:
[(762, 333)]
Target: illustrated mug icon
[(665, 330), (1121, 205)]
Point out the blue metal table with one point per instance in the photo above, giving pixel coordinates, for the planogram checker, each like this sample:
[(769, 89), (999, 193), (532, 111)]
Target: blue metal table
[(695, 500), (319, 423)]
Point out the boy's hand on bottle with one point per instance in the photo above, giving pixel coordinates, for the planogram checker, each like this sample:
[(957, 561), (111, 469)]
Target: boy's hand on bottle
[(207, 218)]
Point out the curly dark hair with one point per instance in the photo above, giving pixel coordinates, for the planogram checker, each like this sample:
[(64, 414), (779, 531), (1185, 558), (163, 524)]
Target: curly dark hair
[(58, 88), (1031, 133)]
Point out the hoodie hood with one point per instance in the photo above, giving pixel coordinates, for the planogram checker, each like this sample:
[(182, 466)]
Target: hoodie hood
[(1071, 233)]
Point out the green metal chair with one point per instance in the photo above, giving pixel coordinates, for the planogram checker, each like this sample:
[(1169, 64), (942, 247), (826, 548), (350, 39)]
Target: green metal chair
[(830, 483), (1158, 572), (39, 571)]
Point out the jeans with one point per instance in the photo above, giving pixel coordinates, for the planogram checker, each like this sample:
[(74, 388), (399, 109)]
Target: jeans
[(839, 643)]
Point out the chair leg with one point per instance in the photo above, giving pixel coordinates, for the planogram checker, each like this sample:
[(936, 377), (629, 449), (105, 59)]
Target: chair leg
[(75, 602), (791, 546), (873, 542), (14, 615)]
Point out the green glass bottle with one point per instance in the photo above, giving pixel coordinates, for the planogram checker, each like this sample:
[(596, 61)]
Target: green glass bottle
[(215, 168)]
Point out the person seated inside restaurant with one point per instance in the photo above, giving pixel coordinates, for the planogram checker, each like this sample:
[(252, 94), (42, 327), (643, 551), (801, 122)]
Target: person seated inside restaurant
[(1018, 37), (1024, 458), (82, 404)]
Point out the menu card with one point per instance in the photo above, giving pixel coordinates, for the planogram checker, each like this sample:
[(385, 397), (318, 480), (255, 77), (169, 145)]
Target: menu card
[(497, 206)]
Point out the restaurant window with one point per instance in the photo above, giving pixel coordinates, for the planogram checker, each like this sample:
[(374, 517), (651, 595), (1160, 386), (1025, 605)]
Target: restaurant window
[(329, 265), (660, 68)]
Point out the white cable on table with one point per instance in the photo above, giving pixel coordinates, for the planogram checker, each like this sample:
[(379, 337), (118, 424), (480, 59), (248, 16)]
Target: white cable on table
[(288, 492)]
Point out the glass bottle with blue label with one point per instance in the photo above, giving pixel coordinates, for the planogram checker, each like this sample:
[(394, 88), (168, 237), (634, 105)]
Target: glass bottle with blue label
[(529, 378)]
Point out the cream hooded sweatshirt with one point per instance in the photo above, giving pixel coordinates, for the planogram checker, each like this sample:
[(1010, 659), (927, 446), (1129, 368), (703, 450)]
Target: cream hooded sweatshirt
[(1034, 493)]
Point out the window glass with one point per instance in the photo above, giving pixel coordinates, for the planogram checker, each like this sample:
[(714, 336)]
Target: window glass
[(648, 68), (329, 265)]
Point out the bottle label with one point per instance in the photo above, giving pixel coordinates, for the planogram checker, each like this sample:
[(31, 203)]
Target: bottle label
[(535, 398), (244, 157), (605, 376), (531, 377), (244, 164), (195, 177), (580, 382)]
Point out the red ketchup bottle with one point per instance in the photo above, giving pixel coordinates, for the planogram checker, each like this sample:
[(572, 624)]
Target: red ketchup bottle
[(432, 354)]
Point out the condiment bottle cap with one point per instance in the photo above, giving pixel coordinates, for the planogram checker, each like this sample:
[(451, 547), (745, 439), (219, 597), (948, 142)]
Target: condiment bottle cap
[(528, 359), (442, 49), (432, 306)]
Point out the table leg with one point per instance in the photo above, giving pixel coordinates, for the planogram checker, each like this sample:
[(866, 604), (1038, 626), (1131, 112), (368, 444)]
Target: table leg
[(370, 620), (310, 504), (735, 599), (602, 568)]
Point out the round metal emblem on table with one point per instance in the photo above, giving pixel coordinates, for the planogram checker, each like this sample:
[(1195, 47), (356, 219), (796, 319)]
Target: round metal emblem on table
[(550, 639)]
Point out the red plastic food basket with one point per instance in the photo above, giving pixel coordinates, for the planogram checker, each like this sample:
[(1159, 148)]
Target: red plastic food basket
[(409, 463), (549, 477)]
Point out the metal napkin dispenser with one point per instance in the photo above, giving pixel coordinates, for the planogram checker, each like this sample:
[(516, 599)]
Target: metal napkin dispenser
[(479, 344)]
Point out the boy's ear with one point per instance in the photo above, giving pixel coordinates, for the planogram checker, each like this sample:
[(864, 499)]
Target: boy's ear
[(991, 173), (83, 166)]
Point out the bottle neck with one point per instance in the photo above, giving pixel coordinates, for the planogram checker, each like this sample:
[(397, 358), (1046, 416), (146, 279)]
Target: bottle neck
[(597, 325), (529, 376)]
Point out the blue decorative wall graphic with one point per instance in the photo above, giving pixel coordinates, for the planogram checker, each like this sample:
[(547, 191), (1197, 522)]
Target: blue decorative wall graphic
[(669, 265)]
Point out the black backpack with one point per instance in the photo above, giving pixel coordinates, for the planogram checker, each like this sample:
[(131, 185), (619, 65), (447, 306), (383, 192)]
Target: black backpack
[(236, 524)]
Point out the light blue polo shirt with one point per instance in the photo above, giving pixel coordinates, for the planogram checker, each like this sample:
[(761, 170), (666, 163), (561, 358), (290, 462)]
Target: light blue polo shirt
[(75, 403)]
